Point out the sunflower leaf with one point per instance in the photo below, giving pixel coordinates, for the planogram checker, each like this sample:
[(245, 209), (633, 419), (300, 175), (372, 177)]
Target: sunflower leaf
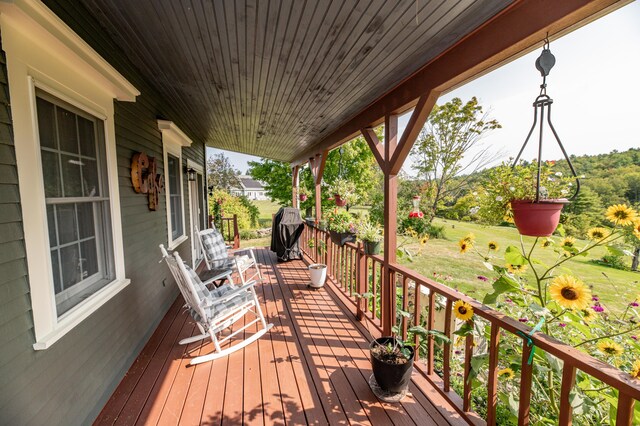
[(502, 285), (513, 256), (464, 330)]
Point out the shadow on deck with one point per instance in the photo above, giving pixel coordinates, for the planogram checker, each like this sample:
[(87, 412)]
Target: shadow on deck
[(311, 368)]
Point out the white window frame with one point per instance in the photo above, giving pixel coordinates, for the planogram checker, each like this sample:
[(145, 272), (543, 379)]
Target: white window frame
[(193, 221), (43, 52), (173, 140)]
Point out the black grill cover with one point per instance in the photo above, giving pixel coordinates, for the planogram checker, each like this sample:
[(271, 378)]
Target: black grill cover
[(285, 232)]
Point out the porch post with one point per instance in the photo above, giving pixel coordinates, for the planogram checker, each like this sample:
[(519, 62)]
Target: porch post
[(317, 164), (294, 184)]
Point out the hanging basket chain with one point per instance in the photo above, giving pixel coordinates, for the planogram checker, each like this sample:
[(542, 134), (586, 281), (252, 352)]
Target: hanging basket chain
[(543, 102)]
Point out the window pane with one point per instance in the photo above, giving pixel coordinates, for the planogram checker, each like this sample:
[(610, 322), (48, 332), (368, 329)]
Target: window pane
[(71, 176), (55, 266), (85, 220), (87, 137), (51, 224), (51, 174), (90, 178), (46, 123), (173, 174), (67, 133), (67, 226), (70, 262), (89, 258)]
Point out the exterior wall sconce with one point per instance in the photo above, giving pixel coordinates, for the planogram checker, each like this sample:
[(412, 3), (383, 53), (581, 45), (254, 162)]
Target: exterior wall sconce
[(191, 175)]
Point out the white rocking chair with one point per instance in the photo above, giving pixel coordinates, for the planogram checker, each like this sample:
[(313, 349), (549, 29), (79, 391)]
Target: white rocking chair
[(217, 256), (216, 310)]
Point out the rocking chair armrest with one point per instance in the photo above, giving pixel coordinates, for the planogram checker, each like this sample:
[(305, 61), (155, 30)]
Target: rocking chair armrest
[(237, 291)]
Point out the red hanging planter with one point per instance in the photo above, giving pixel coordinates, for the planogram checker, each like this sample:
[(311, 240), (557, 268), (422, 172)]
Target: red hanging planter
[(339, 201), (303, 197), (537, 219)]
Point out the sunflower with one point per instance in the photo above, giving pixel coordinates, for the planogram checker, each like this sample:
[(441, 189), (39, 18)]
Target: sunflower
[(621, 215), (609, 347), (516, 269), (508, 215), (507, 372), (588, 315), (597, 233), (547, 243), (635, 371), (464, 245), (424, 240), (493, 245), (569, 292), (636, 228), (463, 310), (568, 242), (470, 238)]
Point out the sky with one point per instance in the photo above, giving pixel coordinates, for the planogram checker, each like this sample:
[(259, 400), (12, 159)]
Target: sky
[(595, 86)]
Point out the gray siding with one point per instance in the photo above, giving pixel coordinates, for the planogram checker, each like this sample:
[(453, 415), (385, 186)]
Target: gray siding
[(70, 382)]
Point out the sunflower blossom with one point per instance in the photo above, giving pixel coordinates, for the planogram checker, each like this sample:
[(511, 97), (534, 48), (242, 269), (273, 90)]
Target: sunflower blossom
[(620, 214), (588, 315), (463, 310), (493, 245), (609, 347), (547, 243), (516, 269), (569, 292), (470, 238), (464, 245), (507, 372), (597, 234), (636, 228), (568, 242), (635, 371)]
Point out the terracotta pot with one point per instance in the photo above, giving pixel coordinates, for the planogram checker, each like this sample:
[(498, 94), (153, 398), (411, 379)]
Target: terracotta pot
[(391, 377), (303, 197), (339, 201), (537, 219)]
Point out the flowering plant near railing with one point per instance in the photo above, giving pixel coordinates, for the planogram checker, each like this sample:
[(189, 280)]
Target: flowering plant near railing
[(340, 220), (560, 305)]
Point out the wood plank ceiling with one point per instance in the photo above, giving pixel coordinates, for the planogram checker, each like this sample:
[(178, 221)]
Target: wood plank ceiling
[(273, 77)]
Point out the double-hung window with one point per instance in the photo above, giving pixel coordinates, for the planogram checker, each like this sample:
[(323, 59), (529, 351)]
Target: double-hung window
[(174, 188), (72, 152)]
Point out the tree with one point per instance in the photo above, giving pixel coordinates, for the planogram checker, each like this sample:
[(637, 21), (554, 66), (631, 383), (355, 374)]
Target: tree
[(276, 176), (452, 131), (221, 175)]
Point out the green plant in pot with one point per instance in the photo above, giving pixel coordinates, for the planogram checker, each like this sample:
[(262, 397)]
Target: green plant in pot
[(512, 194), (370, 235), (303, 193), (343, 192), (341, 226)]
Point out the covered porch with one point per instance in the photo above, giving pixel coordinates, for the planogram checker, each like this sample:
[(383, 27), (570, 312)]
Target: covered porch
[(312, 367)]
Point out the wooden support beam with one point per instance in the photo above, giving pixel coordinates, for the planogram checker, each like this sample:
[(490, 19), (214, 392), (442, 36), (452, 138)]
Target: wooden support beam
[(390, 226), (374, 144), (295, 171), (317, 164), (513, 32)]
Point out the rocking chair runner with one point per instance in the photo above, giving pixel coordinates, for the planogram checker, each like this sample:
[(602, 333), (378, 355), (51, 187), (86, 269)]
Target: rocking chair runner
[(216, 310), (217, 256)]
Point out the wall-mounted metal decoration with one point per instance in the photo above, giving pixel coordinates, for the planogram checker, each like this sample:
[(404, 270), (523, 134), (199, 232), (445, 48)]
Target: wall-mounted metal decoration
[(145, 178)]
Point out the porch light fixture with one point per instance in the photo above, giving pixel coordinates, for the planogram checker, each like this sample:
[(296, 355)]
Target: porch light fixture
[(191, 175), (542, 105)]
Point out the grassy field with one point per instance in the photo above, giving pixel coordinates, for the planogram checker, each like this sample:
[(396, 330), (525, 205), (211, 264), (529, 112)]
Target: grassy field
[(267, 208), (616, 288)]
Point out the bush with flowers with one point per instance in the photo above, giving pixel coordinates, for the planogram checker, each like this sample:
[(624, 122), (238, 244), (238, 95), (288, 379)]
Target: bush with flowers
[(340, 220), (560, 305)]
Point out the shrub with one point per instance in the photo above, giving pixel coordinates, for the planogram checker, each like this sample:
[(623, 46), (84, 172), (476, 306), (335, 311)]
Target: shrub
[(224, 204), (248, 234)]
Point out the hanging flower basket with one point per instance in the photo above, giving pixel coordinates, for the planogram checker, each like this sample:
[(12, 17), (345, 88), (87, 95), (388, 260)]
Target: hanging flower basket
[(340, 202), (341, 238), (303, 197), (537, 219), (371, 247)]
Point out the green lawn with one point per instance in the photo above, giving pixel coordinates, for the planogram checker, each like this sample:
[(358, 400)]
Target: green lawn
[(444, 257), (267, 208)]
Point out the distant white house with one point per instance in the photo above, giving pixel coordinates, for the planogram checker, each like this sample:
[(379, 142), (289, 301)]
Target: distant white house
[(250, 188)]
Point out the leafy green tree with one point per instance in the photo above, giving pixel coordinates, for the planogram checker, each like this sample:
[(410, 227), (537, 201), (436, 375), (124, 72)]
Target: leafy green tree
[(583, 213), (450, 145), (221, 174)]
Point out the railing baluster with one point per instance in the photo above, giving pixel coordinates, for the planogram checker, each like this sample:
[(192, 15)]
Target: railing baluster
[(374, 288), (446, 357), (405, 305), (625, 410), (361, 271), (416, 319), (568, 380), (365, 279), (468, 353), (431, 322), (525, 384), (492, 394)]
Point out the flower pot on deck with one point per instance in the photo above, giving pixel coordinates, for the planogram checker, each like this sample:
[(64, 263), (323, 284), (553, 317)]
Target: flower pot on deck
[(537, 219), (318, 274), (390, 375), (341, 238)]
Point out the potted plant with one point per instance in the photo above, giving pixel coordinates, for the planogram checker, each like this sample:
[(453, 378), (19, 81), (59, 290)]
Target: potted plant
[(341, 226), (370, 235), (343, 192), (392, 363), (317, 271), (303, 194), (511, 194)]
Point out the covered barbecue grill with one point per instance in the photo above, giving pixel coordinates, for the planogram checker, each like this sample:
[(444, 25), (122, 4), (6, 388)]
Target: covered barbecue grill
[(286, 230)]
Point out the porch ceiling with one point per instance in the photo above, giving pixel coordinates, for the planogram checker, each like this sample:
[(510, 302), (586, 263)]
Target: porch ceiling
[(273, 78)]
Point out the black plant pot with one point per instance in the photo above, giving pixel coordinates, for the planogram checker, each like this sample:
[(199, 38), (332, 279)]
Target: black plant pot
[(341, 238), (371, 247), (391, 377)]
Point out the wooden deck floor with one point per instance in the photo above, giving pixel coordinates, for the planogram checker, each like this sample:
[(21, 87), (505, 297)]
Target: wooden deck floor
[(312, 368)]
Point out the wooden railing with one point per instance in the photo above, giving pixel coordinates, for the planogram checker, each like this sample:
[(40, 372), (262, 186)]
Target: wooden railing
[(228, 226), (353, 273)]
